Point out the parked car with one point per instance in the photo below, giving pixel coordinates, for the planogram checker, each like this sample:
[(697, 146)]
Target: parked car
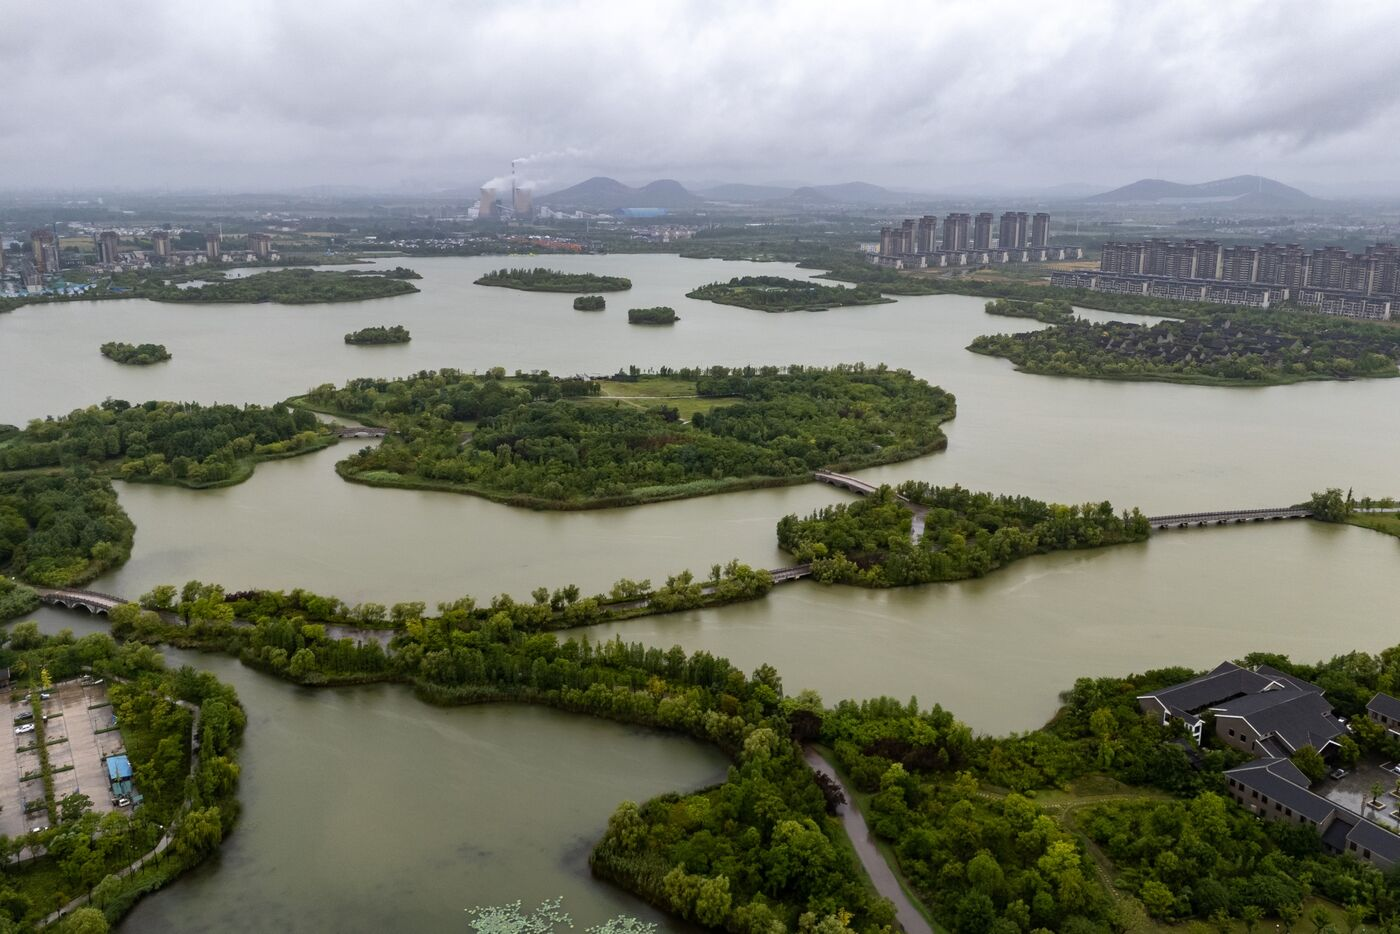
[(1339, 773), (26, 728), (27, 715)]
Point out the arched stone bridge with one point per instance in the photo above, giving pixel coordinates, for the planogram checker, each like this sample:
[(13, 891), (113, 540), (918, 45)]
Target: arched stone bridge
[(73, 599), (361, 431)]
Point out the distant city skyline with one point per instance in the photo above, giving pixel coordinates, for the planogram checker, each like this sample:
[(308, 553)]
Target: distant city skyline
[(998, 97)]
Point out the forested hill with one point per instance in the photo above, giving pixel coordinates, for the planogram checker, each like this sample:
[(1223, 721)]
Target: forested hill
[(542, 442)]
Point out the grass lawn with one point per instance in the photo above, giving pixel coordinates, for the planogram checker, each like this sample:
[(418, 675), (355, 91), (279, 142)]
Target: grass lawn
[(1388, 522), (651, 386)]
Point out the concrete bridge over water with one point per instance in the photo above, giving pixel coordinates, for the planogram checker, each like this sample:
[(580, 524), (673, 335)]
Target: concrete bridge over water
[(361, 431), (1179, 520)]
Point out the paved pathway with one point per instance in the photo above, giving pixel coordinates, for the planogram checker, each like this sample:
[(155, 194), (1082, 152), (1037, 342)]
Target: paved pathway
[(161, 844), (870, 856)]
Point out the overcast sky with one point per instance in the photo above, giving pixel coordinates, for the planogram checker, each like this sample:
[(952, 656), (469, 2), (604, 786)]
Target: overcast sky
[(938, 96)]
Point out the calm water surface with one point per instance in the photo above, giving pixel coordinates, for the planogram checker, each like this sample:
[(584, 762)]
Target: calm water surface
[(367, 811), (369, 800)]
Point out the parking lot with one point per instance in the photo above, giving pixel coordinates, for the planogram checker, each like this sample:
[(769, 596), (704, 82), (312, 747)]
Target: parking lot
[(77, 726)]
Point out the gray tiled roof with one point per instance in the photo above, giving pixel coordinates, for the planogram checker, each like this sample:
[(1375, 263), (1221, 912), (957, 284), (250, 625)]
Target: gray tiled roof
[(1225, 681), (1278, 780), (1299, 719), (1385, 704), (1378, 840)]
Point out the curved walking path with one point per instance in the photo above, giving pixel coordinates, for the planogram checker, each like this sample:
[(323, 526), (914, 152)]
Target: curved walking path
[(881, 875)]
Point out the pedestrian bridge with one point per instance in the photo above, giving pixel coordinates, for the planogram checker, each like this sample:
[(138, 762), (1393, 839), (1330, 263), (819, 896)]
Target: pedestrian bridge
[(1178, 520), (361, 431), (89, 600), (1183, 520)]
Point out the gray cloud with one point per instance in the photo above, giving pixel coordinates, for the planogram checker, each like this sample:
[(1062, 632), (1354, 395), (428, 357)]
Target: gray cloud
[(263, 94)]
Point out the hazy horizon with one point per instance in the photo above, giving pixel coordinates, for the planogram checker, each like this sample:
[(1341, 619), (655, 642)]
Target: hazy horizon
[(991, 97)]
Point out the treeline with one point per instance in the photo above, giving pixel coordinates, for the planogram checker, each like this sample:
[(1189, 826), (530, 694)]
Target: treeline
[(534, 447), (16, 600), (135, 354), (660, 314), (1050, 311), (167, 442), (198, 603), (980, 861), (398, 272), (590, 303), (81, 852), (284, 286), (777, 293), (445, 395), (870, 541), (57, 531), (394, 334), (960, 810), (541, 279), (757, 849), (1243, 347)]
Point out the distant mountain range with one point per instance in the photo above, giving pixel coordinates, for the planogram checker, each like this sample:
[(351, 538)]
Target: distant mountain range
[(1252, 192), (608, 194), (1243, 192)]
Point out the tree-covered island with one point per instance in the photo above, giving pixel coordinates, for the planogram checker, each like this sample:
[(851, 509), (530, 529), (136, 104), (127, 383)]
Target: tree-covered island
[(60, 530), (659, 314), (283, 286), (543, 442), (541, 279), (135, 354), (394, 334), (916, 534), (1238, 348), (590, 303), (182, 443), (776, 293)]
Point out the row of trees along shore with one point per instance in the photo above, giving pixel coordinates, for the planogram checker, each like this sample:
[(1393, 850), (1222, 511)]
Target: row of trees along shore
[(960, 810), (184, 443)]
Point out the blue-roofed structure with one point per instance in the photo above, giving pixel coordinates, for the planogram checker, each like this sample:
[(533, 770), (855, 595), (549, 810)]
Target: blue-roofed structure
[(118, 768)]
